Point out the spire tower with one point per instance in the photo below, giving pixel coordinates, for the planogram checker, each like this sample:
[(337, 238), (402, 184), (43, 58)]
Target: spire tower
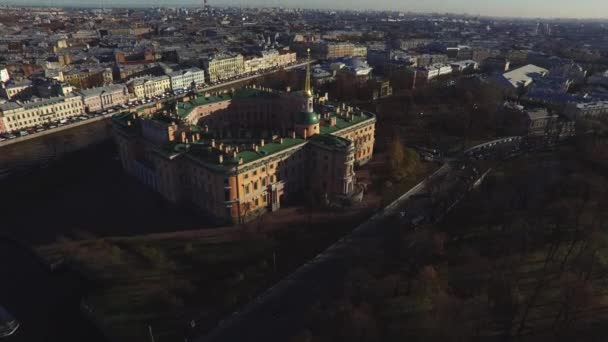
[(307, 87)]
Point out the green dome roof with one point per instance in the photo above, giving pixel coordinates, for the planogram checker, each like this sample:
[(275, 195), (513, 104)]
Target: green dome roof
[(307, 118)]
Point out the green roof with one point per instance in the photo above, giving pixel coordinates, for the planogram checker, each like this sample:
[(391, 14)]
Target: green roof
[(330, 141), (185, 108), (269, 149), (252, 92), (208, 155), (307, 118), (342, 123)]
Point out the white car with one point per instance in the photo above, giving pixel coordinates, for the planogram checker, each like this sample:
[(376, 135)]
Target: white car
[(8, 323)]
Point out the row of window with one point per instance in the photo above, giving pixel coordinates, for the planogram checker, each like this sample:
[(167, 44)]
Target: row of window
[(13, 123)]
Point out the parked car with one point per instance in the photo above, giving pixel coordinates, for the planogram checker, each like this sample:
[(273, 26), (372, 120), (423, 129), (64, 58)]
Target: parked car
[(8, 323)]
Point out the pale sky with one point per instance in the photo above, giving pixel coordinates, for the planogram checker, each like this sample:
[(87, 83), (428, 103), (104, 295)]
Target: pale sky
[(515, 8)]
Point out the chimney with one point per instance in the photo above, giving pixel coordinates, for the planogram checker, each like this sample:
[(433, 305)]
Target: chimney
[(293, 136), (213, 143), (281, 139), (220, 146), (256, 148), (234, 154), (236, 149), (240, 161), (221, 159), (262, 143), (332, 121)]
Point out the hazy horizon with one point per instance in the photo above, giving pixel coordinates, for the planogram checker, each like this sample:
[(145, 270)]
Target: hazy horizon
[(586, 9)]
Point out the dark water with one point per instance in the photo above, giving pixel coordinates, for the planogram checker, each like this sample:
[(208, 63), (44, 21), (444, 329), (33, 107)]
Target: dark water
[(45, 304), (86, 195)]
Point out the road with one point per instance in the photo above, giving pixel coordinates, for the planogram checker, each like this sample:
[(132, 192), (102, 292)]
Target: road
[(100, 116), (280, 312)]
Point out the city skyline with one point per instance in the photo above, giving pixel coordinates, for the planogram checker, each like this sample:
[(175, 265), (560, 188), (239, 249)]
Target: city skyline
[(586, 9)]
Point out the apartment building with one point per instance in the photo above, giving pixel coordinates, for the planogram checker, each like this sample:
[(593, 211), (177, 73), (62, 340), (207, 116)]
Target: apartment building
[(224, 66), (433, 71), (10, 90), (148, 86), (101, 98), (185, 79), (20, 115)]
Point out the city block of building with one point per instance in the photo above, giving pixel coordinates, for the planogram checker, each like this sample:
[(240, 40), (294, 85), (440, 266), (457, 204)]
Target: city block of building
[(237, 156)]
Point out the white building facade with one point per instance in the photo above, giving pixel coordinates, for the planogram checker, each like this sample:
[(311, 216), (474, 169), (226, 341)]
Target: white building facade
[(21, 115)]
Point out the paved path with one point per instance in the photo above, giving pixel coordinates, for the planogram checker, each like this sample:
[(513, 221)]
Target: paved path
[(280, 311)]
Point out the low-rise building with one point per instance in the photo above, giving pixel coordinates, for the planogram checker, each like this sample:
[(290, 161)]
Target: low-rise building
[(11, 90), (413, 43), (101, 98), (596, 109), (186, 79), (428, 59), (433, 71), (544, 127), (286, 57), (20, 115), (521, 78), (87, 77), (147, 86), (224, 66), (360, 51), (466, 65)]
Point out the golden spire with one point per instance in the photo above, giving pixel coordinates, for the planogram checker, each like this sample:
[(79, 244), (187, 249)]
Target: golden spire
[(307, 88)]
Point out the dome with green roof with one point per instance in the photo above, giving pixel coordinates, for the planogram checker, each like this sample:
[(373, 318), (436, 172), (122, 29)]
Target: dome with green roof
[(307, 118)]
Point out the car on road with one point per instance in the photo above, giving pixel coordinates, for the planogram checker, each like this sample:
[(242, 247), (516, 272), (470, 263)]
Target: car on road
[(8, 323)]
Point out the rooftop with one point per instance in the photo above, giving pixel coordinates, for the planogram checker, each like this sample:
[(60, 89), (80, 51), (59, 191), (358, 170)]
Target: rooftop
[(106, 89), (330, 141), (524, 75), (342, 122), (185, 108), (205, 153)]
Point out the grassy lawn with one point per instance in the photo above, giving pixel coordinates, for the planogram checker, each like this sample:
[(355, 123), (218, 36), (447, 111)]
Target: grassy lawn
[(167, 282), (163, 282)]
